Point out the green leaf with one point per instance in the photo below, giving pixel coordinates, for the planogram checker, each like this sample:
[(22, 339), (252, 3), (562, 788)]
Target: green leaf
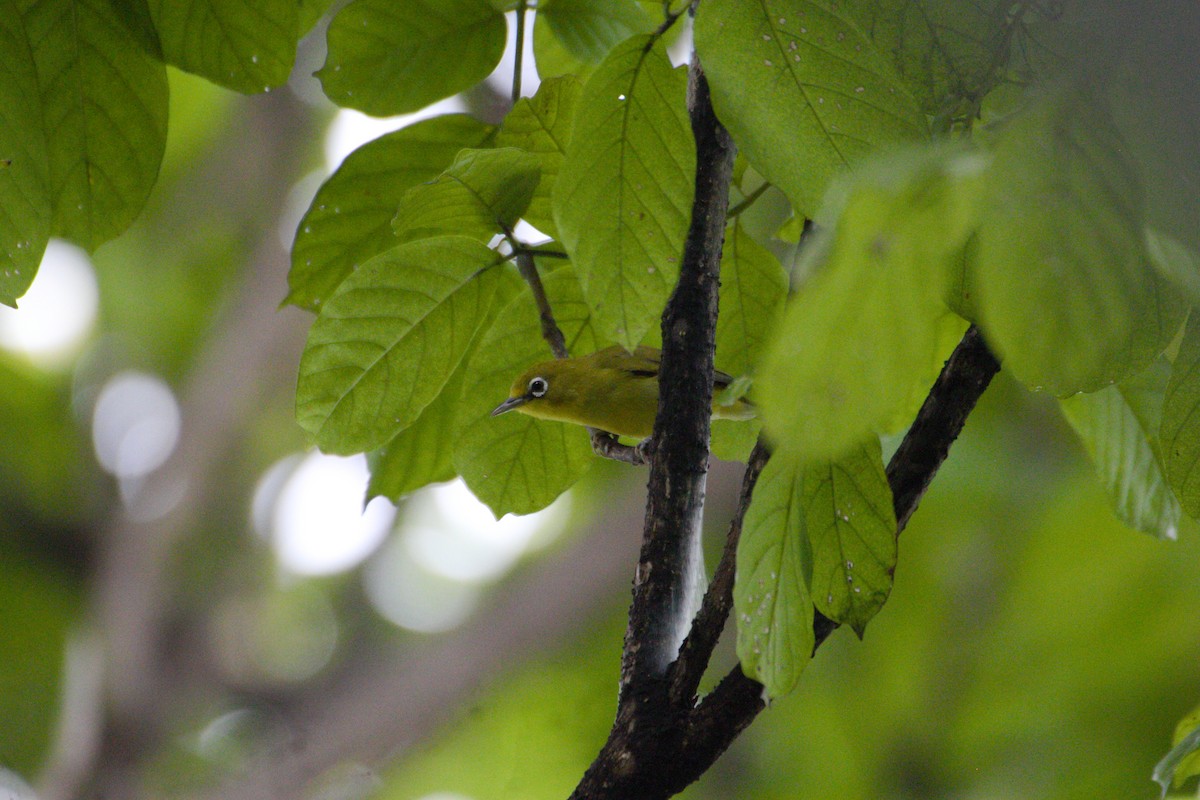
[(572, 36), (350, 219), (421, 453), (1183, 761), (483, 193), (802, 89), (857, 342), (753, 289), (541, 125), (852, 532), (245, 46), (514, 463), (1180, 429), (770, 593), (25, 208), (1119, 428), (590, 29), (947, 52), (1065, 291), (104, 104), (624, 194), (389, 338), (1175, 262), (388, 57)]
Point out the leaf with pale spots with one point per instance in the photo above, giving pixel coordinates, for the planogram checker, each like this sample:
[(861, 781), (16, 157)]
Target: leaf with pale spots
[(802, 89), (852, 531), (389, 339), (771, 599), (513, 462), (624, 193)]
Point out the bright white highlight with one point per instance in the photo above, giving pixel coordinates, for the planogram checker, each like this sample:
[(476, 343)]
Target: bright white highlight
[(351, 129), (453, 535), (56, 315), (135, 424), (319, 525)]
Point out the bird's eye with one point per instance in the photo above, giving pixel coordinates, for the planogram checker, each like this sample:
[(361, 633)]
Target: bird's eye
[(538, 387)]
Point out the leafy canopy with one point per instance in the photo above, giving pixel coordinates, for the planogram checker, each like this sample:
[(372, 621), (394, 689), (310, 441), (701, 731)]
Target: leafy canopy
[(948, 163)]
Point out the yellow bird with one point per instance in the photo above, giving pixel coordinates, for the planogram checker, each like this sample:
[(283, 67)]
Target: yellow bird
[(612, 389)]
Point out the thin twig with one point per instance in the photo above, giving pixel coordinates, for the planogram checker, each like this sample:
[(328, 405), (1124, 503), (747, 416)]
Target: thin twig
[(519, 53), (749, 199), (550, 330)]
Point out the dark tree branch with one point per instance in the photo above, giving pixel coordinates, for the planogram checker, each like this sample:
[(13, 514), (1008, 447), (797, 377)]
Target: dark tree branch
[(664, 587), (648, 727), (737, 699), (697, 649), (550, 330)]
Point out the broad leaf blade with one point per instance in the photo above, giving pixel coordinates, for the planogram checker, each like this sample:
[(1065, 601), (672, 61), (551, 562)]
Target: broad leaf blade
[(852, 531), (771, 598), (483, 193), (1119, 428), (1180, 429), (1066, 294), (624, 193), (514, 463), (104, 102), (387, 341), (822, 97), (856, 343), (350, 219), (393, 58), (25, 207), (589, 29), (245, 46), (421, 453), (541, 125), (945, 51)]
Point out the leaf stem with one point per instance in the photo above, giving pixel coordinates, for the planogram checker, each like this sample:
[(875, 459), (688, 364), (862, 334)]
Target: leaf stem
[(749, 199)]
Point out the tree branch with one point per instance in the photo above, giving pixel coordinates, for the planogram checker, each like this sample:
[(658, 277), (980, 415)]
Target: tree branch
[(737, 699), (669, 569)]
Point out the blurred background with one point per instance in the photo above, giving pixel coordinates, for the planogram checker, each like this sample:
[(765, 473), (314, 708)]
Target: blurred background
[(195, 604)]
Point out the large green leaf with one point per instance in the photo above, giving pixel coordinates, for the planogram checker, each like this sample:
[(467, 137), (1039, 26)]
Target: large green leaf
[(1175, 262), (852, 531), (514, 463), (483, 193), (771, 599), (1119, 428), (857, 342), (245, 46), (946, 51), (1065, 290), (753, 288), (623, 196), (25, 207), (541, 125), (802, 89), (571, 36), (389, 57), (1180, 428), (104, 104), (350, 219), (421, 453), (387, 341), (589, 29)]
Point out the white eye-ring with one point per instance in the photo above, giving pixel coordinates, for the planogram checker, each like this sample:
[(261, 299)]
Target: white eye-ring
[(538, 387)]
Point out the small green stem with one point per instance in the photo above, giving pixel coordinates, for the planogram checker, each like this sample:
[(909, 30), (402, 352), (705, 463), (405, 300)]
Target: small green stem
[(519, 56), (748, 200)]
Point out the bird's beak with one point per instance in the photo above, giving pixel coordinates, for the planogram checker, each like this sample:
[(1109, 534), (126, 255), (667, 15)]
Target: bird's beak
[(510, 404)]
